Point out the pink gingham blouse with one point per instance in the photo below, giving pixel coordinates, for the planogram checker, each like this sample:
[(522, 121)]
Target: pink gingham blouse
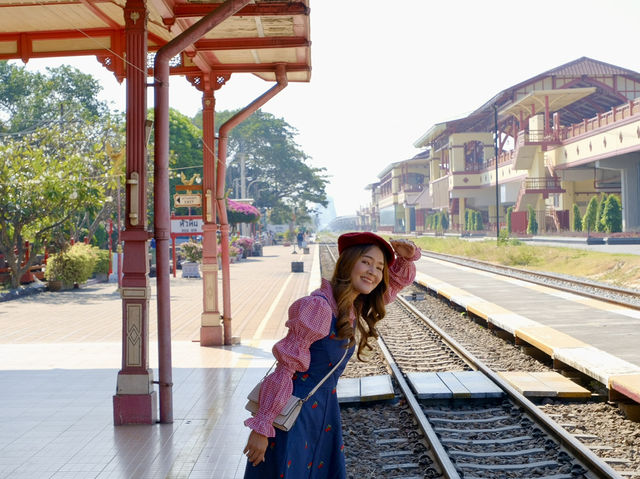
[(310, 320)]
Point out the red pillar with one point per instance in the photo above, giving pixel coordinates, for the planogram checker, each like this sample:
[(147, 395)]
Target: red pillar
[(135, 400), (211, 333)]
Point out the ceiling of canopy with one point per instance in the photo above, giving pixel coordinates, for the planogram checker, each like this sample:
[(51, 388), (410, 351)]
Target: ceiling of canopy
[(258, 37)]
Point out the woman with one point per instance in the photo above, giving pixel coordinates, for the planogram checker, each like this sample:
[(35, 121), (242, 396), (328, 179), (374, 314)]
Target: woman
[(369, 273)]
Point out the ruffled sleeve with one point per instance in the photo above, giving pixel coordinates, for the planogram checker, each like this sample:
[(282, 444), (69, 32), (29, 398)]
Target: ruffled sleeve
[(401, 274), (309, 320)]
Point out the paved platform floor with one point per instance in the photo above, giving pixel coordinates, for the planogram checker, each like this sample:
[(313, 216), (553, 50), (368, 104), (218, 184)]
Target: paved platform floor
[(60, 354)]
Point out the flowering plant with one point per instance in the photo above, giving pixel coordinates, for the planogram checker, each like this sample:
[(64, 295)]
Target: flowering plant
[(235, 251), (192, 251), (241, 212), (245, 242)]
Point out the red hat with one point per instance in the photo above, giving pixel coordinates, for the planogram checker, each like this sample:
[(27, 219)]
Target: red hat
[(365, 237)]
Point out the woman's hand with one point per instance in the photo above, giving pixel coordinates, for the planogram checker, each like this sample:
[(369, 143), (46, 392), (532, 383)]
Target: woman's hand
[(403, 248), (256, 447)]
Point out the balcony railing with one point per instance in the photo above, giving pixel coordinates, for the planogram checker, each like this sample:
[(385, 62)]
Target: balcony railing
[(542, 183), (412, 188), (616, 114), (504, 158)]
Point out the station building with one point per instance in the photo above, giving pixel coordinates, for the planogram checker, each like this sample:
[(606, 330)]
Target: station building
[(561, 137)]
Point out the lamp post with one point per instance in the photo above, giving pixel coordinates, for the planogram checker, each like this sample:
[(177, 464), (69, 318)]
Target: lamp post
[(495, 153)]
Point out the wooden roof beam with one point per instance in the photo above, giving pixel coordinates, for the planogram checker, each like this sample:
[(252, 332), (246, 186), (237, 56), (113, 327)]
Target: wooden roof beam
[(271, 9), (251, 43), (228, 68)]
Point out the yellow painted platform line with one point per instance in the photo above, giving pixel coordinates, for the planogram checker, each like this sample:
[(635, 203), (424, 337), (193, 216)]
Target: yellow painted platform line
[(547, 339), (527, 384), (565, 387), (628, 385), (544, 384), (274, 304), (485, 309), (596, 363)]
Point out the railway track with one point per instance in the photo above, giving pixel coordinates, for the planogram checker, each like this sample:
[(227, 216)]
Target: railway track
[(506, 438), (624, 297)]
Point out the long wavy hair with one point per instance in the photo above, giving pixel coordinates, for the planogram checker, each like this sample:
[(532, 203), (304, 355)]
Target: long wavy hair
[(367, 308)]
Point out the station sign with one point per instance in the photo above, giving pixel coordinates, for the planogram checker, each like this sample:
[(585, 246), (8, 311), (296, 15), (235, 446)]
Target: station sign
[(185, 226), (182, 200)]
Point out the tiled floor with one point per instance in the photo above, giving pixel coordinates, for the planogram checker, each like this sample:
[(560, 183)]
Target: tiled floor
[(60, 354)]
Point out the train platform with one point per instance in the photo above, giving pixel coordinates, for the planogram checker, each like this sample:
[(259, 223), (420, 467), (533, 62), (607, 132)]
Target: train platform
[(59, 358), (594, 337), (60, 354)]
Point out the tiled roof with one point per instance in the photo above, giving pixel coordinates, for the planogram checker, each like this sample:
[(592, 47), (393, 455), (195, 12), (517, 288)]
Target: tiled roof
[(588, 66)]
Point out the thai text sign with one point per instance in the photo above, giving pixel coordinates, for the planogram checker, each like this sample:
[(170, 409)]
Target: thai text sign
[(180, 200), (186, 225)]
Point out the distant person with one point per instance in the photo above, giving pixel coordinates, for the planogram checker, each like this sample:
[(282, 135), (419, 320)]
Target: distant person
[(369, 273), (300, 239)]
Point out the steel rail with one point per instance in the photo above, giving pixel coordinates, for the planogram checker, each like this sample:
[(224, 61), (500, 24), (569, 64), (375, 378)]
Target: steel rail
[(491, 267), (576, 448), (439, 453)]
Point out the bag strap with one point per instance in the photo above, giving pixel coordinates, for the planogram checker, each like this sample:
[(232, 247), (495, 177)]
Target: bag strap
[(312, 392)]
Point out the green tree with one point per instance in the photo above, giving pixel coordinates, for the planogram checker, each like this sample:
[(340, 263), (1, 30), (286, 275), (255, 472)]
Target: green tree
[(590, 216), (62, 96), (444, 221), (532, 224), (477, 221), (47, 179), (577, 218), (185, 154), (509, 226), (599, 226), (612, 215), (275, 165), (47, 119)]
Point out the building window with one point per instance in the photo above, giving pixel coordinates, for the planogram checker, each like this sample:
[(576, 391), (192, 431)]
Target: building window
[(473, 156)]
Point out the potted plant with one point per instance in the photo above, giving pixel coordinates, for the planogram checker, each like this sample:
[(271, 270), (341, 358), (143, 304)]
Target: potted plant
[(70, 268), (246, 244), (234, 253), (192, 252)]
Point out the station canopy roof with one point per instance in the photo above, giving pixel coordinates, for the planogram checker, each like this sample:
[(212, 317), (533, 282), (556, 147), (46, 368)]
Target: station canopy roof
[(535, 101), (256, 39)]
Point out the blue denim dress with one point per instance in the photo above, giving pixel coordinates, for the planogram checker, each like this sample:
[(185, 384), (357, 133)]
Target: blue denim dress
[(313, 448)]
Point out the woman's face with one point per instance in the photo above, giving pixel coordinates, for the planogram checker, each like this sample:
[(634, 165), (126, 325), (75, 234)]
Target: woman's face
[(367, 272)]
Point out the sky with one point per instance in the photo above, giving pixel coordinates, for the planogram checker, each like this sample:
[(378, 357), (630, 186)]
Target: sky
[(384, 72)]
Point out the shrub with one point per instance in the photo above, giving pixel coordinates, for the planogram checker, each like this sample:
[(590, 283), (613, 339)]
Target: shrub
[(103, 260), (532, 225), (75, 265), (612, 215), (477, 221), (444, 221), (503, 237), (521, 256), (577, 218), (600, 213), (590, 216), (509, 211)]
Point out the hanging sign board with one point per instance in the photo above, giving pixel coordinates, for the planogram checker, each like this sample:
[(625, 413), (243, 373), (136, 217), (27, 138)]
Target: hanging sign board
[(194, 201), (186, 226)]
